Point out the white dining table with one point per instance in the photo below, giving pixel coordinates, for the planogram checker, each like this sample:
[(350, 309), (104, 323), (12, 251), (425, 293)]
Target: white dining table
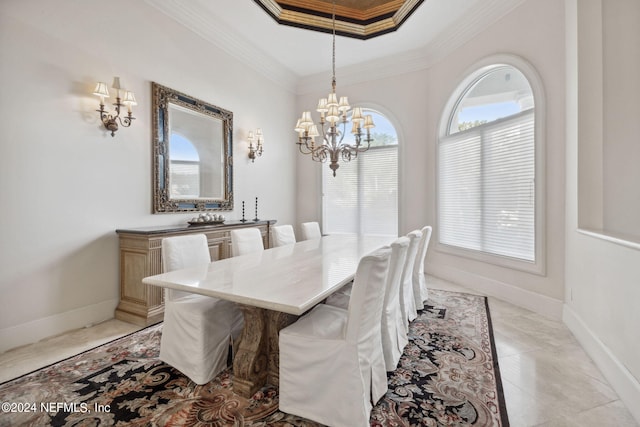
[(273, 288)]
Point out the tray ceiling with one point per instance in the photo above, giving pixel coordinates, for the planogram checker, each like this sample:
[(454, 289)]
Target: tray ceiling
[(298, 58), (361, 19)]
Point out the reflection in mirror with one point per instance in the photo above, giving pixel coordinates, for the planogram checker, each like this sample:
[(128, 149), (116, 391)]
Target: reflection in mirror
[(197, 155), (192, 153)]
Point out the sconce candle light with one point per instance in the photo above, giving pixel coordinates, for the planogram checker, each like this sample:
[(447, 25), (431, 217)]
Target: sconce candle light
[(257, 150), (110, 120)]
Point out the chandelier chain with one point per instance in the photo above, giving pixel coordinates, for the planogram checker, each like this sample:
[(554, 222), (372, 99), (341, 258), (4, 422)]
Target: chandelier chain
[(334, 114), (333, 57)]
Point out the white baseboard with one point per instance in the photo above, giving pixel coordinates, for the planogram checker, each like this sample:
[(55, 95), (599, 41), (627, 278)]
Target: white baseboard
[(30, 332), (541, 304), (619, 377)]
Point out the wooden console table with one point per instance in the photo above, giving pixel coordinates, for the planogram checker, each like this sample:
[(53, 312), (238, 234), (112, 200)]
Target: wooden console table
[(140, 256)]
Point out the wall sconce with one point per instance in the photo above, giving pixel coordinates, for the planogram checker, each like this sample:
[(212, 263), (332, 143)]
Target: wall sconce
[(257, 150), (110, 121)]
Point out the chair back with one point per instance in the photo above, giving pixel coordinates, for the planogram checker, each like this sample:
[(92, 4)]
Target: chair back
[(282, 235), (311, 230), (367, 297), (393, 334), (397, 261), (183, 252), (364, 320), (245, 241), (420, 290), (407, 303), (422, 250)]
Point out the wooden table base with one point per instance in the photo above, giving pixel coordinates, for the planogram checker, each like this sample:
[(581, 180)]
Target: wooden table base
[(257, 359)]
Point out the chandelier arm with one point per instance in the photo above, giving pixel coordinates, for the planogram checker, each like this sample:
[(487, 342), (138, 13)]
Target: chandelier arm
[(347, 154), (320, 154), (302, 150), (307, 146), (358, 149), (302, 146)]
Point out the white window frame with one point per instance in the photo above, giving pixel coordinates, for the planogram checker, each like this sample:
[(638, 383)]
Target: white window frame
[(471, 75)]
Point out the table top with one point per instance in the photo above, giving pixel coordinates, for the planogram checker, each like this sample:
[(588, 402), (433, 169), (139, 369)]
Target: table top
[(290, 279)]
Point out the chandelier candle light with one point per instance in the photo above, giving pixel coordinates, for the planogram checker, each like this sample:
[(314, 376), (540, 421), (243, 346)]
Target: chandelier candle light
[(333, 113), (110, 121)]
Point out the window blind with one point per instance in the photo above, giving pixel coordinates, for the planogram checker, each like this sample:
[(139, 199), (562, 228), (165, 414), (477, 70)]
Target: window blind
[(185, 179), (363, 196), (486, 188)]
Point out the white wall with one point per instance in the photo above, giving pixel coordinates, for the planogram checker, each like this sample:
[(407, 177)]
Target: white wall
[(602, 276), (67, 184), (416, 101)]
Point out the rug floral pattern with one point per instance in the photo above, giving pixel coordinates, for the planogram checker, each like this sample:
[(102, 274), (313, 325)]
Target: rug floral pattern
[(447, 376)]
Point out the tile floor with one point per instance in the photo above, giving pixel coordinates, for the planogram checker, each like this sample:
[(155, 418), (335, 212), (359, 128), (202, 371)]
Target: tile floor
[(548, 379)]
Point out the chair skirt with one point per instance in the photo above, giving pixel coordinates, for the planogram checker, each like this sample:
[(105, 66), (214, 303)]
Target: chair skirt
[(321, 377), (394, 337), (196, 335)]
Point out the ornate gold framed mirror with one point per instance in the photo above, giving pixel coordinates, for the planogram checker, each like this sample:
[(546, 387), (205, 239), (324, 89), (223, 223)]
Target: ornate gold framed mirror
[(192, 153)]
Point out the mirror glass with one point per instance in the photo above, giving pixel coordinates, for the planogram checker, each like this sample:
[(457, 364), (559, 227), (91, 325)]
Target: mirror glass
[(192, 153)]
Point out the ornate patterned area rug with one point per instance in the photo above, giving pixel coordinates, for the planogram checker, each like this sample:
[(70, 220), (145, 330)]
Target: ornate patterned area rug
[(448, 375)]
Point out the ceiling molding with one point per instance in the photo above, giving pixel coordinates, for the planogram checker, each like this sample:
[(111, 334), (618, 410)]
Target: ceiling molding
[(356, 10), (352, 22)]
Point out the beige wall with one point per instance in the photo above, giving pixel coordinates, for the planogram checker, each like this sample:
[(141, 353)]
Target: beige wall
[(67, 185)]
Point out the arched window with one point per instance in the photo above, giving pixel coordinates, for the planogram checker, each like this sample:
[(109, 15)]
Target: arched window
[(363, 196), (487, 169)]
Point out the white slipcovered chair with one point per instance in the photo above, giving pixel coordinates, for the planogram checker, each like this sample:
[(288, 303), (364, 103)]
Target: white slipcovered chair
[(394, 335), (420, 291), (310, 230), (407, 302), (327, 356), (282, 235), (197, 329), (245, 241)]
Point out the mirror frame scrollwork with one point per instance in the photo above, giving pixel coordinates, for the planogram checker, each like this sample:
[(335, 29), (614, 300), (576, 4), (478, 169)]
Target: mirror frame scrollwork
[(162, 201)]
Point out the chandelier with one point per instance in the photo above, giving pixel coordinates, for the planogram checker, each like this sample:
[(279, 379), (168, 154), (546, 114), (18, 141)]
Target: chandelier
[(333, 114)]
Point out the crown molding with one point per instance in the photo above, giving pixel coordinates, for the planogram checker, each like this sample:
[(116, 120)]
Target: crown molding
[(317, 15)]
